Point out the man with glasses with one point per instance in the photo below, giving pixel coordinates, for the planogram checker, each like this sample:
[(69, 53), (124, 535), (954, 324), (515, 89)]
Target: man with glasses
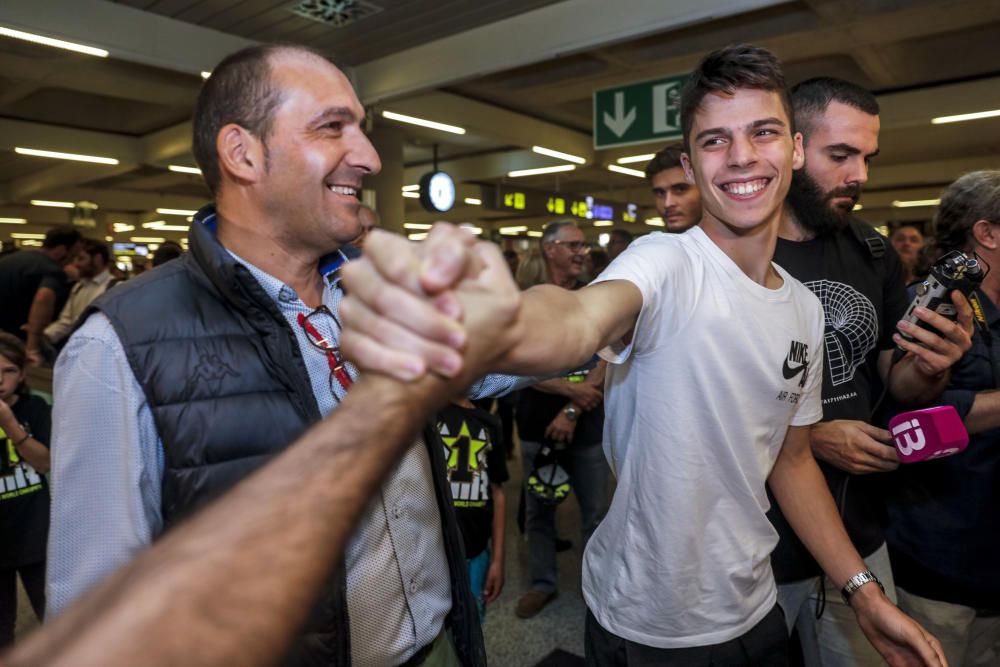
[(564, 410), (186, 380)]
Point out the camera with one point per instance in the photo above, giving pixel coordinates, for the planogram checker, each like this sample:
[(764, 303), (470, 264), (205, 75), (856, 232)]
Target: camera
[(954, 271)]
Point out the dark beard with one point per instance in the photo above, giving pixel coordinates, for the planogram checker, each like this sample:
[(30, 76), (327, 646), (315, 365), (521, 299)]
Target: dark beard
[(811, 205)]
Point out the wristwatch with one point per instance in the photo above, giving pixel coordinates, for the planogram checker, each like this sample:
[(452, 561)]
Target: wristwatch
[(571, 413), (857, 581)]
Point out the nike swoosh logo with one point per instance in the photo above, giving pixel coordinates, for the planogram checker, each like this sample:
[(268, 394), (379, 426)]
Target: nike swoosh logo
[(790, 372)]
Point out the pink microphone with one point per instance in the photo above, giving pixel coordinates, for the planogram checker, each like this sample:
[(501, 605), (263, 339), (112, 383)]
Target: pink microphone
[(928, 434)]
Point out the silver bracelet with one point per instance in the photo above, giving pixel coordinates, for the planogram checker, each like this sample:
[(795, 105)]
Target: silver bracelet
[(856, 582)]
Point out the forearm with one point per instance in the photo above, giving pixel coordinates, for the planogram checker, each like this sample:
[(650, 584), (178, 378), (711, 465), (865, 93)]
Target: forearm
[(42, 310), (238, 579), (913, 388), (499, 524), (985, 412), (802, 493), (558, 386)]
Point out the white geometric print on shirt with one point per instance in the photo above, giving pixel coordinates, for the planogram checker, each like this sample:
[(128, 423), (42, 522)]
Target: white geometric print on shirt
[(851, 327)]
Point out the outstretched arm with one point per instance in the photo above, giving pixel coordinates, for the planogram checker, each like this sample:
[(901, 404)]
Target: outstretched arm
[(804, 498)]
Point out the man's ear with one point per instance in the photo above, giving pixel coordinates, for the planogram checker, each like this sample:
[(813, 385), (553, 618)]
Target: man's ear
[(686, 166), (798, 151), (986, 234), (241, 154)]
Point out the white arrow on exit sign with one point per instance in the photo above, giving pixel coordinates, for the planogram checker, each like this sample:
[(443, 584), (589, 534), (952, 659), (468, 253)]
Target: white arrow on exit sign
[(621, 121)]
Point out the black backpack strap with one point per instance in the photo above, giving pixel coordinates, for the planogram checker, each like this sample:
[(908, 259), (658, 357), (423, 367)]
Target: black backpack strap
[(868, 237)]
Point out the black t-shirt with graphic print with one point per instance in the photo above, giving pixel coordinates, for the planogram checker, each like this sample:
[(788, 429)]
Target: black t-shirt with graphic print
[(474, 456), (863, 297), (24, 493)]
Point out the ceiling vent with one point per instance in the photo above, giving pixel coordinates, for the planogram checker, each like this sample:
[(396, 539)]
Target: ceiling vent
[(335, 13)]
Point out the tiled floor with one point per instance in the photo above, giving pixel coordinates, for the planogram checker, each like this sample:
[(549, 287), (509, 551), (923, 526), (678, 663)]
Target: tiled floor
[(510, 641)]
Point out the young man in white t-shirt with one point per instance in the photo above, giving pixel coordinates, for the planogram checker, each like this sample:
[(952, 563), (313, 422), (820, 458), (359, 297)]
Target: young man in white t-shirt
[(713, 381)]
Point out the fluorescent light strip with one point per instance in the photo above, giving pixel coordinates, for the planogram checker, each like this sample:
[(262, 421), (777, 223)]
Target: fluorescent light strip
[(513, 231), (147, 239), (472, 201), (57, 43), (541, 150), (174, 211), (472, 229), (541, 170), (915, 202), (18, 235), (13, 221), (536, 235), (53, 204), (65, 156), (413, 120), (30, 242), (417, 236), (411, 188), (645, 157), (655, 222), (411, 195), (857, 207), (161, 225), (416, 225), (120, 227), (965, 116), (626, 171), (184, 170), (604, 223), (205, 74)]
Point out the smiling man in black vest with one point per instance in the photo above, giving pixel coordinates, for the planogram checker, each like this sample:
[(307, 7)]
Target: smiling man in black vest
[(186, 380)]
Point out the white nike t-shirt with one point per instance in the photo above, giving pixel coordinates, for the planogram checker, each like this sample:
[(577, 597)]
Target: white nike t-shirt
[(697, 409)]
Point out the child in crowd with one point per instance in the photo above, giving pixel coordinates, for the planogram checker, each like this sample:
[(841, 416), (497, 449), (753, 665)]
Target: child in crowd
[(477, 469), (25, 422)]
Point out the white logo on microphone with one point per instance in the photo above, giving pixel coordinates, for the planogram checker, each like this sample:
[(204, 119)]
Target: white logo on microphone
[(911, 441)]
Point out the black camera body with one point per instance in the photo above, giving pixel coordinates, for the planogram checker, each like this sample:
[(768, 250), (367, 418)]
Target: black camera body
[(954, 271)]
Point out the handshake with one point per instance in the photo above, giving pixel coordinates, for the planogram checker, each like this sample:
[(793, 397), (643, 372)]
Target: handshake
[(448, 306)]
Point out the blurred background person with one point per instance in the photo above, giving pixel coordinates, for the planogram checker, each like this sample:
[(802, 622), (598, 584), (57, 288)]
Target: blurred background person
[(678, 201), (34, 287), (93, 279), (908, 240), (620, 239), (25, 424), (167, 251)]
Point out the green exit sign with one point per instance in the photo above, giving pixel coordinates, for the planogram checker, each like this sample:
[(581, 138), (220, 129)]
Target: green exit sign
[(638, 113)]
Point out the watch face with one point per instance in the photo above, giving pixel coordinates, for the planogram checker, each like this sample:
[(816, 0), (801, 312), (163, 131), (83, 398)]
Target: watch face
[(437, 191)]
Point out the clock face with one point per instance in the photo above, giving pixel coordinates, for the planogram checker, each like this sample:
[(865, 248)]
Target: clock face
[(437, 191)]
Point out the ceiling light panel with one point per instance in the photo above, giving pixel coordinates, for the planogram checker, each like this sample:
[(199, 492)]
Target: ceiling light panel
[(541, 150), (56, 43), (76, 157), (423, 122)]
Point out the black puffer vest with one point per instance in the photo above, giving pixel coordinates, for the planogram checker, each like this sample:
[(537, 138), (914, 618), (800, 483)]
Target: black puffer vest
[(228, 389)]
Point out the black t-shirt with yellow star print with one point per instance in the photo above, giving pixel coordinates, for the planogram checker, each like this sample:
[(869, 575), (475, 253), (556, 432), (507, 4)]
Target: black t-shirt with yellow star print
[(474, 456)]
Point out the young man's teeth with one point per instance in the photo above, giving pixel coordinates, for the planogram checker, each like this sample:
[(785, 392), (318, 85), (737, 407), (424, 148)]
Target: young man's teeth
[(746, 188), (341, 190)]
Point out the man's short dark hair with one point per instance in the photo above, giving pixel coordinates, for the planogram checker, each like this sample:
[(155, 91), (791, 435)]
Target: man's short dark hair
[(239, 91), (621, 234), (731, 68), (811, 98), (167, 251), (668, 158), (95, 248), (65, 236)]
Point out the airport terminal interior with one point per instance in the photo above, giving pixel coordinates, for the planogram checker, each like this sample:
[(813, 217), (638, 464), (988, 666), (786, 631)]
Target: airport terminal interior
[(500, 116)]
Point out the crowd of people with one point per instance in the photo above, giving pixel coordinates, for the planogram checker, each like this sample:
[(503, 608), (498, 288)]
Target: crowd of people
[(268, 444)]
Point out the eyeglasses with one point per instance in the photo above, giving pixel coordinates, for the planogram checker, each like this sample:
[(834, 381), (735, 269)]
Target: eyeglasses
[(574, 246), (318, 341)]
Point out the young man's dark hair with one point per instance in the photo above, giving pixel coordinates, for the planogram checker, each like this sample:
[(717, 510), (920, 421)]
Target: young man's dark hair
[(167, 251), (813, 96), (63, 236), (728, 69), (668, 158), (239, 91), (95, 248)]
